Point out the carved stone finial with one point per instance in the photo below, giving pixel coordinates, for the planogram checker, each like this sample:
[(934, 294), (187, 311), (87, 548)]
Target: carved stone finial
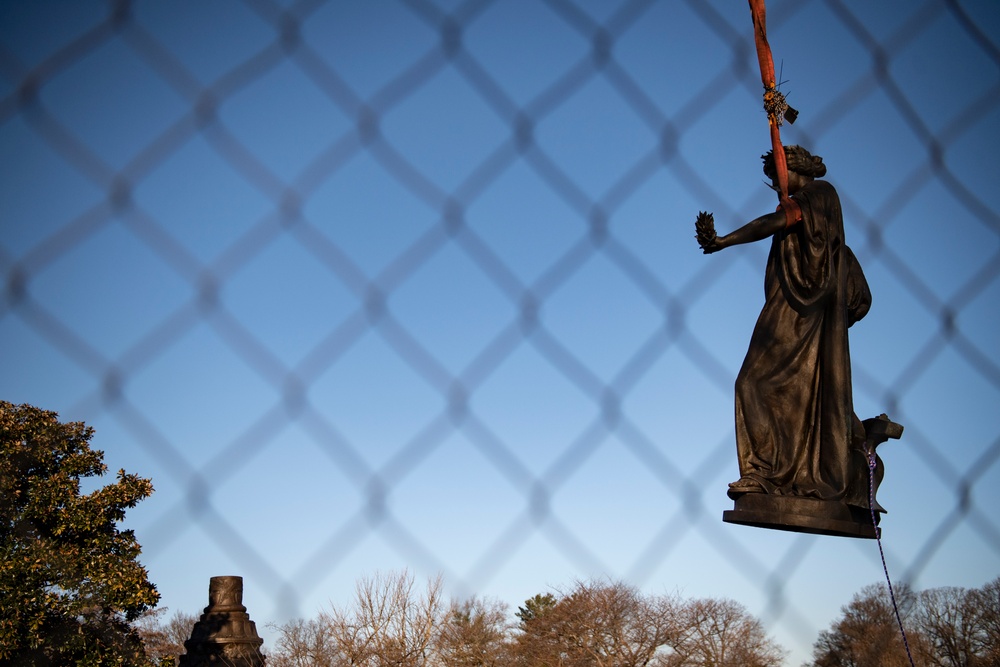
[(224, 634), (225, 594)]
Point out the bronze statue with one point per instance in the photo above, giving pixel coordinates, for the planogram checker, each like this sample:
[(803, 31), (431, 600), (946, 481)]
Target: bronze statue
[(803, 453)]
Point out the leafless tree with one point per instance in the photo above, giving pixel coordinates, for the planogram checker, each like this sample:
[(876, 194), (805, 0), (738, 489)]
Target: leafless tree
[(598, 624), (950, 621), (164, 640), (945, 627), (305, 643), (718, 632), (988, 601), (474, 633), (388, 623), (867, 633)]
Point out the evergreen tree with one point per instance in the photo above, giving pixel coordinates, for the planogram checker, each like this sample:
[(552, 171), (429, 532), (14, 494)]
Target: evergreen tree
[(70, 584)]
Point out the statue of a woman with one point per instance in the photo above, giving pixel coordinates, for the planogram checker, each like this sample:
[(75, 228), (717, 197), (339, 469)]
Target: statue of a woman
[(795, 421)]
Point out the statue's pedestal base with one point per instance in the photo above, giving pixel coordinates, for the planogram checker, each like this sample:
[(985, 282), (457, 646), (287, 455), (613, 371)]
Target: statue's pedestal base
[(801, 515)]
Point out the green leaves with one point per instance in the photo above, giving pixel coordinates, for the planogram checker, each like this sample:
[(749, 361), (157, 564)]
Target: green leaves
[(69, 580)]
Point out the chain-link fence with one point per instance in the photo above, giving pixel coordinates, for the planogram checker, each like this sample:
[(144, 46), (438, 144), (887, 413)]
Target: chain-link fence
[(419, 279)]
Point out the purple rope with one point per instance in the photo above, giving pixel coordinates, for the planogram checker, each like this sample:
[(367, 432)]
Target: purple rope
[(878, 538)]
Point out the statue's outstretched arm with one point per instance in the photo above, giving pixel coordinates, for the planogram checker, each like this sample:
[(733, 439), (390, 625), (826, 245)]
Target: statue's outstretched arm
[(755, 230)]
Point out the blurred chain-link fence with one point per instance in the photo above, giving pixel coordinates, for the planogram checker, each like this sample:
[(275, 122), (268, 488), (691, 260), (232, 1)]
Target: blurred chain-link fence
[(650, 83)]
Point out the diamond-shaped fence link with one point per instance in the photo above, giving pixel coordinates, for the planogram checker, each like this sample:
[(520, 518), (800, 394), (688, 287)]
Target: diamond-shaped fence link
[(223, 108)]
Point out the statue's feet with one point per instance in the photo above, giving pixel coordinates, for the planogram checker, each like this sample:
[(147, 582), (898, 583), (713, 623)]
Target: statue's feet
[(744, 485)]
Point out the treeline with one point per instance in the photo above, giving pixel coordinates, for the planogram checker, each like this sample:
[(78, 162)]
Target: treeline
[(393, 621), (944, 627)]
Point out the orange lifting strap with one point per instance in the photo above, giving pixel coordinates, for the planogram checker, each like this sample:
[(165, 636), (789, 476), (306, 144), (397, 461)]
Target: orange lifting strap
[(775, 106)]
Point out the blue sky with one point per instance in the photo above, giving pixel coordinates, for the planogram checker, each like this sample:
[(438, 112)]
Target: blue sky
[(361, 290)]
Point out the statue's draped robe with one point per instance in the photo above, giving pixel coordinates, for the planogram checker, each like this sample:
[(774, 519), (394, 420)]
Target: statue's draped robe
[(794, 408)]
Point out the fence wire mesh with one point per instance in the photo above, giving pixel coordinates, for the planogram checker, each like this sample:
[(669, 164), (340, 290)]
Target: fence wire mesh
[(618, 126)]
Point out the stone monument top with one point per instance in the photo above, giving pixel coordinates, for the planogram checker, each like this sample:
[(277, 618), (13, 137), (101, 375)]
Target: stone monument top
[(224, 634)]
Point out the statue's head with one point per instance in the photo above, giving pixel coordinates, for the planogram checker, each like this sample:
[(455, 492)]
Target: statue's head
[(798, 160)]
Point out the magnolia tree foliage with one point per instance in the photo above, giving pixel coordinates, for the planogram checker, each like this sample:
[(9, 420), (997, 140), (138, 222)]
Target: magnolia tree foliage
[(70, 584)]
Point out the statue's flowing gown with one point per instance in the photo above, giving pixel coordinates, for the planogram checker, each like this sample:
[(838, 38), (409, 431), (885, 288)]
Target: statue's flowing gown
[(794, 408)]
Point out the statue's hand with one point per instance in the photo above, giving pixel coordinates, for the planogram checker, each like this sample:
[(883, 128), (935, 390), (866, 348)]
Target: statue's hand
[(704, 228)]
